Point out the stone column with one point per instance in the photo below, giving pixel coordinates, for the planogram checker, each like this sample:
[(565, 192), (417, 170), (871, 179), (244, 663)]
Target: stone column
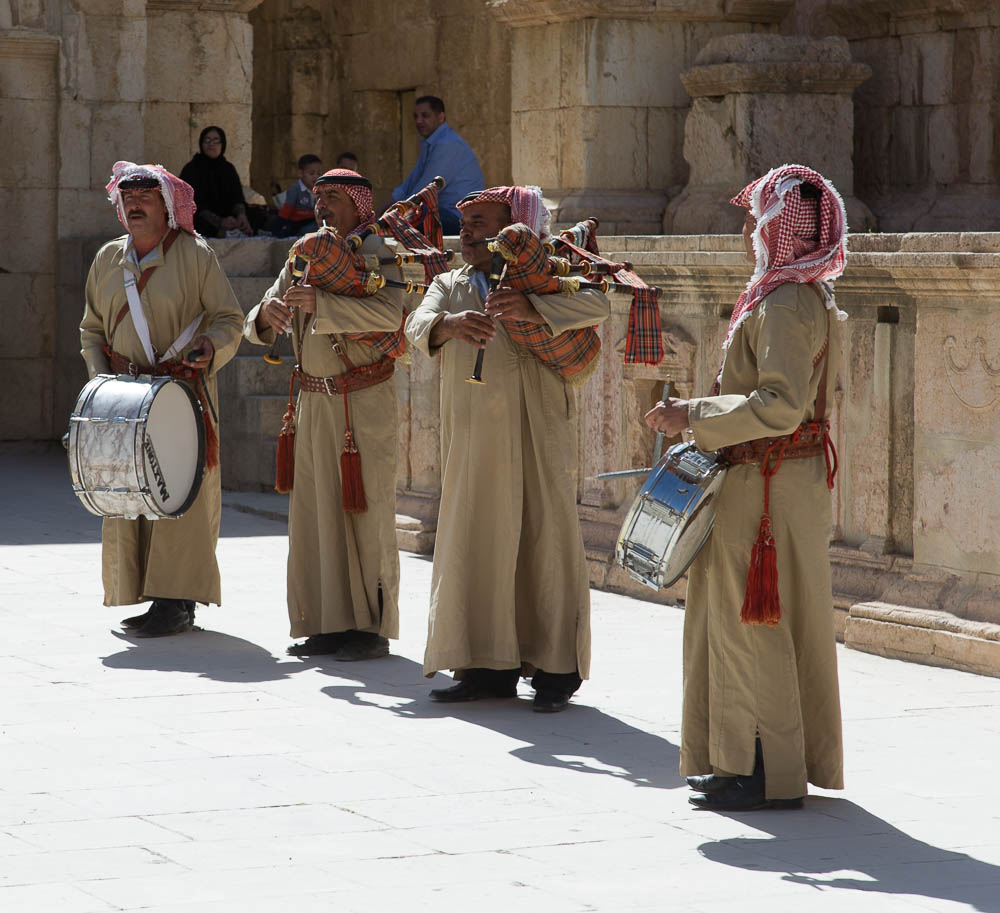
[(597, 108), (28, 168), (762, 101), (198, 71)]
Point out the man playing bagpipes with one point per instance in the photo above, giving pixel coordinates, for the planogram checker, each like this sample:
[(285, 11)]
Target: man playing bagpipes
[(343, 564), (510, 592), (154, 296)]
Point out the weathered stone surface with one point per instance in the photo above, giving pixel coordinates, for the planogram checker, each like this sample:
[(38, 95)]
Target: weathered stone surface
[(540, 12), (29, 318), (204, 57), (761, 100), (26, 405), (116, 133), (929, 637)]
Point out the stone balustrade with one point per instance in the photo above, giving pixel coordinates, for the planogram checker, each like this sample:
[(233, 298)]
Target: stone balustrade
[(915, 411)]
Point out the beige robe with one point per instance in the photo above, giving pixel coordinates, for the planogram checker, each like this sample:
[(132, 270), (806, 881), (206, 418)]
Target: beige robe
[(510, 586), (779, 681), (167, 558), (338, 562)]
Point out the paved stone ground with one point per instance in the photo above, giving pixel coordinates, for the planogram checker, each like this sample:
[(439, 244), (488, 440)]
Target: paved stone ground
[(210, 773)]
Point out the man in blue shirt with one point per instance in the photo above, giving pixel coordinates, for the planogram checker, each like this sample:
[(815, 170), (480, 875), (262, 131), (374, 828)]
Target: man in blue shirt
[(442, 152)]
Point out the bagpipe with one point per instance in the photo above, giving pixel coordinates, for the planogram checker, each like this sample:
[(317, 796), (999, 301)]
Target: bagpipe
[(530, 265), (333, 263)]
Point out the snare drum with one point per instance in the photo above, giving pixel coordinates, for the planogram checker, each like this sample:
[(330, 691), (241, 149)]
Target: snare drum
[(672, 516), (136, 446)]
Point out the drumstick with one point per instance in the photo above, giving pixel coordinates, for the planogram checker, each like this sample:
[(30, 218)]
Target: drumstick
[(658, 446), (191, 356), (622, 473)]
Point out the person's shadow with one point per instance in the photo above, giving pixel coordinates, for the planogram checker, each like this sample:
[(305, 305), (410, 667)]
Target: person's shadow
[(847, 839), (207, 654), (580, 738)]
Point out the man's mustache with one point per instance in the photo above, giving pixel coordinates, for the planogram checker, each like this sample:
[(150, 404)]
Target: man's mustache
[(136, 212), (473, 243)]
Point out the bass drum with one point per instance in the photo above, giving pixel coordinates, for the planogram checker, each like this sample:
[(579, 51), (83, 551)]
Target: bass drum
[(136, 446), (672, 516)]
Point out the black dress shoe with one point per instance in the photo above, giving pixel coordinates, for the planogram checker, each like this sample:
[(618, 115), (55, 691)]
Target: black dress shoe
[(549, 700), (361, 645), (745, 795), (318, 644), (710, 783), (137, 621), (472, 688), (167, 616)]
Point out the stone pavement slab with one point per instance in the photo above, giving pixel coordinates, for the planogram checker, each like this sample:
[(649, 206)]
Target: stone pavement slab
[(211, 773)]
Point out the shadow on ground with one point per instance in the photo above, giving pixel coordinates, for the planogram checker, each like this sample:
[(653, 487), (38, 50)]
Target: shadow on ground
[(885, 859), (207, 654), (580, 738)]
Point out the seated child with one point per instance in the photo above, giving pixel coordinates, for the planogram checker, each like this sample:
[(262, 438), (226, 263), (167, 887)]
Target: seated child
[(296, 217)]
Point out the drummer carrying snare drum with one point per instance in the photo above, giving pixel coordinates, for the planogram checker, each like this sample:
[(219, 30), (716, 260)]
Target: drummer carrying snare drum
[(761, 714), (157, 302)]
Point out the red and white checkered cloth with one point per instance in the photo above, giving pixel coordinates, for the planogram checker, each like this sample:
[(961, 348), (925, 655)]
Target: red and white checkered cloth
[(526, 206), (178, 195), (787, 246)]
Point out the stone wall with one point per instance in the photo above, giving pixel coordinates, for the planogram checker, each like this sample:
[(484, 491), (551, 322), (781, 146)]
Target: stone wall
[(597, 105), (330, 78), (926, 141), (84, 84)]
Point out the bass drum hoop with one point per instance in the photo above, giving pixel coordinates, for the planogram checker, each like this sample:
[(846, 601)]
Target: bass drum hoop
[(199, 469)]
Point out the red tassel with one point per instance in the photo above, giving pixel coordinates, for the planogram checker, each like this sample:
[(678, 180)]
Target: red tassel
[(761, 603), (352, 487), (284, 459), (211, 442)]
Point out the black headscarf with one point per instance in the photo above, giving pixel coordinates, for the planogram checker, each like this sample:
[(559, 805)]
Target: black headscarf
[(216, 183)]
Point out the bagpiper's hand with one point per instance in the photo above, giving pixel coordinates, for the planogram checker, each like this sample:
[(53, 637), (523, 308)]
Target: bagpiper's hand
[(509, 304), (473, 327), (302, 297), (273, 315), (203, 350), (670, 417)]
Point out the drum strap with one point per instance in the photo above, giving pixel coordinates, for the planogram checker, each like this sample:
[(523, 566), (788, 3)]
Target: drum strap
[(133, 290)]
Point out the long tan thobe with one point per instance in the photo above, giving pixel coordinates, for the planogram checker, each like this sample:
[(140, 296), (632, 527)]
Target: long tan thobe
[(742, 679), (338, 562), (509, 585), (169, 558)]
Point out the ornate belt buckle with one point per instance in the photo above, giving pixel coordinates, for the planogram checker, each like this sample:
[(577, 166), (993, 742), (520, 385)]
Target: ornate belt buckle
[(133, 369), (330, 385)]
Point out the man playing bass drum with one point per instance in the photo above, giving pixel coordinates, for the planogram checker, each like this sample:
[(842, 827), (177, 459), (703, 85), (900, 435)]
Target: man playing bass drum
[(186, 319)]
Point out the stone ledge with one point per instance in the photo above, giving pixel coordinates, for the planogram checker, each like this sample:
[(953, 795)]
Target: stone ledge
[(519, 13), (778, 78), (25, 44), (924, 636)]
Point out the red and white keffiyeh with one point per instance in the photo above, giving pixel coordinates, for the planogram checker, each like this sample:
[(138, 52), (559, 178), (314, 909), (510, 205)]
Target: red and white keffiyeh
[(358, 188), (787, 245), (526, 206), (178, 195)]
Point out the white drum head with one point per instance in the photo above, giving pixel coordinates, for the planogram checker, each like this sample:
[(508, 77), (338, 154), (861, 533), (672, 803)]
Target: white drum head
[(173, 448)]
